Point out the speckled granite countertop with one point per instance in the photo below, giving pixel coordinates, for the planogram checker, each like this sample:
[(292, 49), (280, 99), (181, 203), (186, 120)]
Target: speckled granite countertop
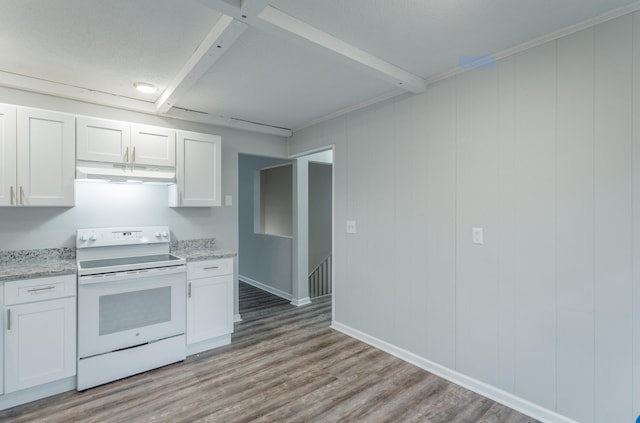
[(199, 249), (26, 264)]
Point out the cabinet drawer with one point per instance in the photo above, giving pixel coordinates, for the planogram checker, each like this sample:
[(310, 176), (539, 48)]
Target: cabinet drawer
[(29, 290), (204, 269)]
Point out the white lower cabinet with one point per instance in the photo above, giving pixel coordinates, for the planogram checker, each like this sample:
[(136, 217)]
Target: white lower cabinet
[(1, 344), (209, 304), (39, 331)]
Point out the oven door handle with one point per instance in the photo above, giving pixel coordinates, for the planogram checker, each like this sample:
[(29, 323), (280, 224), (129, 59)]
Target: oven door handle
[(132, 274)]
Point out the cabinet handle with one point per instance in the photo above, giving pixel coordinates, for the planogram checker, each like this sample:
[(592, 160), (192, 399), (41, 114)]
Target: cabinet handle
[(11, 195), (47, 288), (8, 319), (211, 268), (21, 195), (126, 155), (189, 290), (133, 155), (180, 198)]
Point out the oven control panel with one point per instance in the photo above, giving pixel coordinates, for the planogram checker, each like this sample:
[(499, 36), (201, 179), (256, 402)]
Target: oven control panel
[(106, 237), (126, 235)]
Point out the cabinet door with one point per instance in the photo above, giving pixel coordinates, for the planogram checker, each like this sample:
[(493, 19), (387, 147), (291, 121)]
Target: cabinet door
[(209, 308), (46, 158), (2, 343), (198, 170), (153, 146), (40, 343), (101, 140), (7, 155)]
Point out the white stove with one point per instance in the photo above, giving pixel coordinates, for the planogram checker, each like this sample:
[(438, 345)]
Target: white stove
[(131, 303)]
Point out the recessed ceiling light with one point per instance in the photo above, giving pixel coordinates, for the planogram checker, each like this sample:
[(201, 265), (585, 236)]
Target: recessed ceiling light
[(143, 87)]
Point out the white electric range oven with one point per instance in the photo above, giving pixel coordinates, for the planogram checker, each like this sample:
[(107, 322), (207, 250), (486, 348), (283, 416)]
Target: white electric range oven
[(131, 303)]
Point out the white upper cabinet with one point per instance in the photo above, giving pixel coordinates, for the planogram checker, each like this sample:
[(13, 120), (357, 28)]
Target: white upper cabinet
[(198, 171), (7, 155), (151, 145), (46, 158), (37, 154), (102, 140)]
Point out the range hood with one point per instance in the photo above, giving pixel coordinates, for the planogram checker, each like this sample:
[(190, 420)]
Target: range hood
[(124, 173)]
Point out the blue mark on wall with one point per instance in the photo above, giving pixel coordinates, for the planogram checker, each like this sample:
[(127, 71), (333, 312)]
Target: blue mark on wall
[(485, 62)]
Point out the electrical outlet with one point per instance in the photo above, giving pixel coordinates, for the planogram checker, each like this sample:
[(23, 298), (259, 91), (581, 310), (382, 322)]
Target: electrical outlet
[(477, 236), (351, 226)]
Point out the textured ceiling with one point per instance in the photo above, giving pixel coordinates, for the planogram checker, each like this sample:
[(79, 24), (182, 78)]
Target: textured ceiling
[(282, 79), (101, 45), (278, 63)]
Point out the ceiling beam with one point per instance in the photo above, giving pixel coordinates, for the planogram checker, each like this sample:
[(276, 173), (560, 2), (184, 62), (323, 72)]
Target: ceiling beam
[(228, 122), (243, 10), (260, 15), (363, 60), (56, 89), (232, 8), (253, 7), (43, 86), (224, 33)]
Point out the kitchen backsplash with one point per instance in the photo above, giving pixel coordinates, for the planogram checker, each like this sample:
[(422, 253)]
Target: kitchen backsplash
[(194, 244)]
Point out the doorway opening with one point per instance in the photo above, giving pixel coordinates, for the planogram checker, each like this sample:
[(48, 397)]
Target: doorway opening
[(320, 224), (295, 265)]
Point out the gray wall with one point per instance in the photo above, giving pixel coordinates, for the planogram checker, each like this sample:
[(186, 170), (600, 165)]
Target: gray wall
[(320, 206), (26, 228), (276, 196), (543, 152), (263, 258)]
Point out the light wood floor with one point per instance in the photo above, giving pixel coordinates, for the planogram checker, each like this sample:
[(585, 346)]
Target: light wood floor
[(284, 365)]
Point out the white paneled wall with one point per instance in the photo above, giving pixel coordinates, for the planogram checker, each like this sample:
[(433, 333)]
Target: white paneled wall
[(575, 226), (613, 219), (535, 226), (543, 153)]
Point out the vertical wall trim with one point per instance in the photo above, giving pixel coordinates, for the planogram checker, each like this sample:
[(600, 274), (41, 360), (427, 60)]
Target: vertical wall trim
[(555, 229), (635, 365), (593, 229), (456, 133)]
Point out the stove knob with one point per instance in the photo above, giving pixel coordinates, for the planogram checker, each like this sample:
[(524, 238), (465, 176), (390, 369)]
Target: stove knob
[(157, 234), (94, 237), (164, 234), (84, 237)]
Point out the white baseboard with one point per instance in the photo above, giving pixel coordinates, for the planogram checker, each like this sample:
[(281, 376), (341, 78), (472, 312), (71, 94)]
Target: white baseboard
[(237, 318), (301, 301), (209, 344), (486, 390), (37, 392), (265, 287)]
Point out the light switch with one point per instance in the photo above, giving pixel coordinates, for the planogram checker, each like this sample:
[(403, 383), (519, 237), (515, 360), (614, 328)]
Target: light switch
[(477, 236), (351, 226), (228, 200)]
